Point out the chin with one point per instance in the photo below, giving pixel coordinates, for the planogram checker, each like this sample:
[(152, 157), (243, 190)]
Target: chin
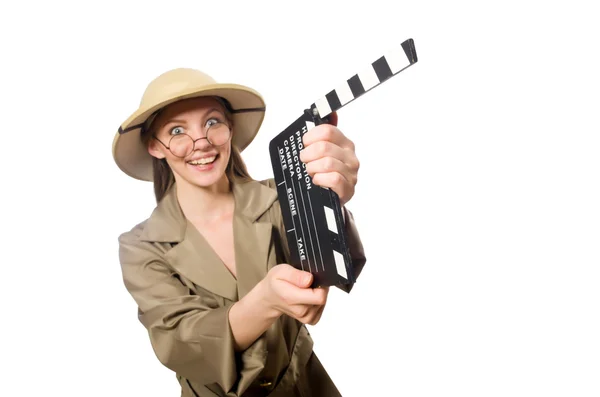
[(206, 181)]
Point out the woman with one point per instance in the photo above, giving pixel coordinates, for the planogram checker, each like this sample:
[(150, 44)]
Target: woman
[(208, 269)]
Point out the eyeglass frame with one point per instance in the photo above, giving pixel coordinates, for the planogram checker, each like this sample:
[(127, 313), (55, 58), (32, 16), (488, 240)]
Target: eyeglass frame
[(196, 140)]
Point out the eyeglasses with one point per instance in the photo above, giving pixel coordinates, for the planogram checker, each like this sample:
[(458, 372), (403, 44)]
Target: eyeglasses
[(182, 145)]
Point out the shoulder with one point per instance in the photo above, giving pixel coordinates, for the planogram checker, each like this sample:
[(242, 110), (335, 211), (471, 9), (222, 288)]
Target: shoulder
[(273, 213), (270, 183), (261, 184), (254, 198), (134, 249), (133, 234)]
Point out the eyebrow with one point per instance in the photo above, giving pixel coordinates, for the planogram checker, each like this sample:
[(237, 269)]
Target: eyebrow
[(181, 121), (174, 121)]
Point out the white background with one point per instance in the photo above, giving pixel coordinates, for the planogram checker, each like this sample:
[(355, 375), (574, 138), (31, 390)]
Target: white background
[(478, 199)]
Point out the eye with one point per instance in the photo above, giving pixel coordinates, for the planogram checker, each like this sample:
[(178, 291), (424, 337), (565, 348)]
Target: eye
[(177, 130), (212, 121)]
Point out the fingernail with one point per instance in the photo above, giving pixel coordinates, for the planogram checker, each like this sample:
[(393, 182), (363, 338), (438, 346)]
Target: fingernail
[(306, 278)]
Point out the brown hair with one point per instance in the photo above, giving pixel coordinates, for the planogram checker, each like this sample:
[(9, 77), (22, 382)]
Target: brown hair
[(236, 170)]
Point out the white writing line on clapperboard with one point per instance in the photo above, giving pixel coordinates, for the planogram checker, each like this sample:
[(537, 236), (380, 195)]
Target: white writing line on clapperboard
[(292, 212), (308, 187), (300, 242), (304, 177), (291, 203)]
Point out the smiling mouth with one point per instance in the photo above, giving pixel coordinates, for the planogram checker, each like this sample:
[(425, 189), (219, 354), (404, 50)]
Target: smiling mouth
[(204, 161)]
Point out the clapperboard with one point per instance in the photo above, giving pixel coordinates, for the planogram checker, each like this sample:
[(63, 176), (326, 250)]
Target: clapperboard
[(312, 215)]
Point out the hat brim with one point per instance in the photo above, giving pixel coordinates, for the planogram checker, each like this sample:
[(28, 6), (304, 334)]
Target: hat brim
[(132, 156)]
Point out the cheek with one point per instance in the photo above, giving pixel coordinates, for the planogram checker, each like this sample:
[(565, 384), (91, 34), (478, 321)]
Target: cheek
[(174, 162), (225, 153)]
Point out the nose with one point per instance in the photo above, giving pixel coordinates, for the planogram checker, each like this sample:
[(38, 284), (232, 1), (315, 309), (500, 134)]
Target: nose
[(200, 141)]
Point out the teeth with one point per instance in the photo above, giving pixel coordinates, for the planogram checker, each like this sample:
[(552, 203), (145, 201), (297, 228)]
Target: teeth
[(205, 160)]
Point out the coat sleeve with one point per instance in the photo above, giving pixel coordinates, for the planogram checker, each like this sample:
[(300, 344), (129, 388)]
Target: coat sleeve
[(190, 333), (357, 252)]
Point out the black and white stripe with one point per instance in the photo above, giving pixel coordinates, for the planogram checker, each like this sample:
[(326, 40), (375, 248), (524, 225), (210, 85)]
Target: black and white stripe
[(391, 63), (312, 214), (340, 264)]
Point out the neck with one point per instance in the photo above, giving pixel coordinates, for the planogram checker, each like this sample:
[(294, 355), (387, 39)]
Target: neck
[(205, 203)]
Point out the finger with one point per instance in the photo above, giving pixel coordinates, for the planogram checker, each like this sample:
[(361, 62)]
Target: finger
[(332, 118), (328, 149), (307, 314), (336, 182), (290, 274), (293, 295), (329, 164), (320, 309), (317, 315), (301, 312), (327, 132), (314, 315), (310, 315)]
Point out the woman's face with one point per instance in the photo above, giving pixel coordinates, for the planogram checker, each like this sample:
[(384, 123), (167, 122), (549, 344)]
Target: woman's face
[(202, 164)]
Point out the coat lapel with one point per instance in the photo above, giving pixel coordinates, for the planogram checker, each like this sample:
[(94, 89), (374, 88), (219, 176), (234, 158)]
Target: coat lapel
[(252, 241), (194, 258), (252, 238)]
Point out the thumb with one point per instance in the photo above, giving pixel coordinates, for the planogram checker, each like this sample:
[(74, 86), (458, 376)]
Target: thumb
[(299, 278), (304, 279)]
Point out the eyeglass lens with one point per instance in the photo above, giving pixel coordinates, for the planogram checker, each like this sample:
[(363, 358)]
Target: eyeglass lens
[(182, 145)]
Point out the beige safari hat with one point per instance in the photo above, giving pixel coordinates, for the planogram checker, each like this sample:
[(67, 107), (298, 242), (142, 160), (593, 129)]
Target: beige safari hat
[(246, 105)]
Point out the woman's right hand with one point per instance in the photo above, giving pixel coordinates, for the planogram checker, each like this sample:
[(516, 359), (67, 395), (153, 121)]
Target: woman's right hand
[(286, 290)]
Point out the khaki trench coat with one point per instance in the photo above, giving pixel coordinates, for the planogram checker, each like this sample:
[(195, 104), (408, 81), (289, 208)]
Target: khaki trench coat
[(184, 293)]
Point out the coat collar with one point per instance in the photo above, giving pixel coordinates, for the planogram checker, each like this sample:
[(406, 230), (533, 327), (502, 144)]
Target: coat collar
[(193, 257), (167, 224)]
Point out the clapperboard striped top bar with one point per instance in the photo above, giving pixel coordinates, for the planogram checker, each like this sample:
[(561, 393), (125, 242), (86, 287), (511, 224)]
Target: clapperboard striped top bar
[(312, 214), (392, 62)]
